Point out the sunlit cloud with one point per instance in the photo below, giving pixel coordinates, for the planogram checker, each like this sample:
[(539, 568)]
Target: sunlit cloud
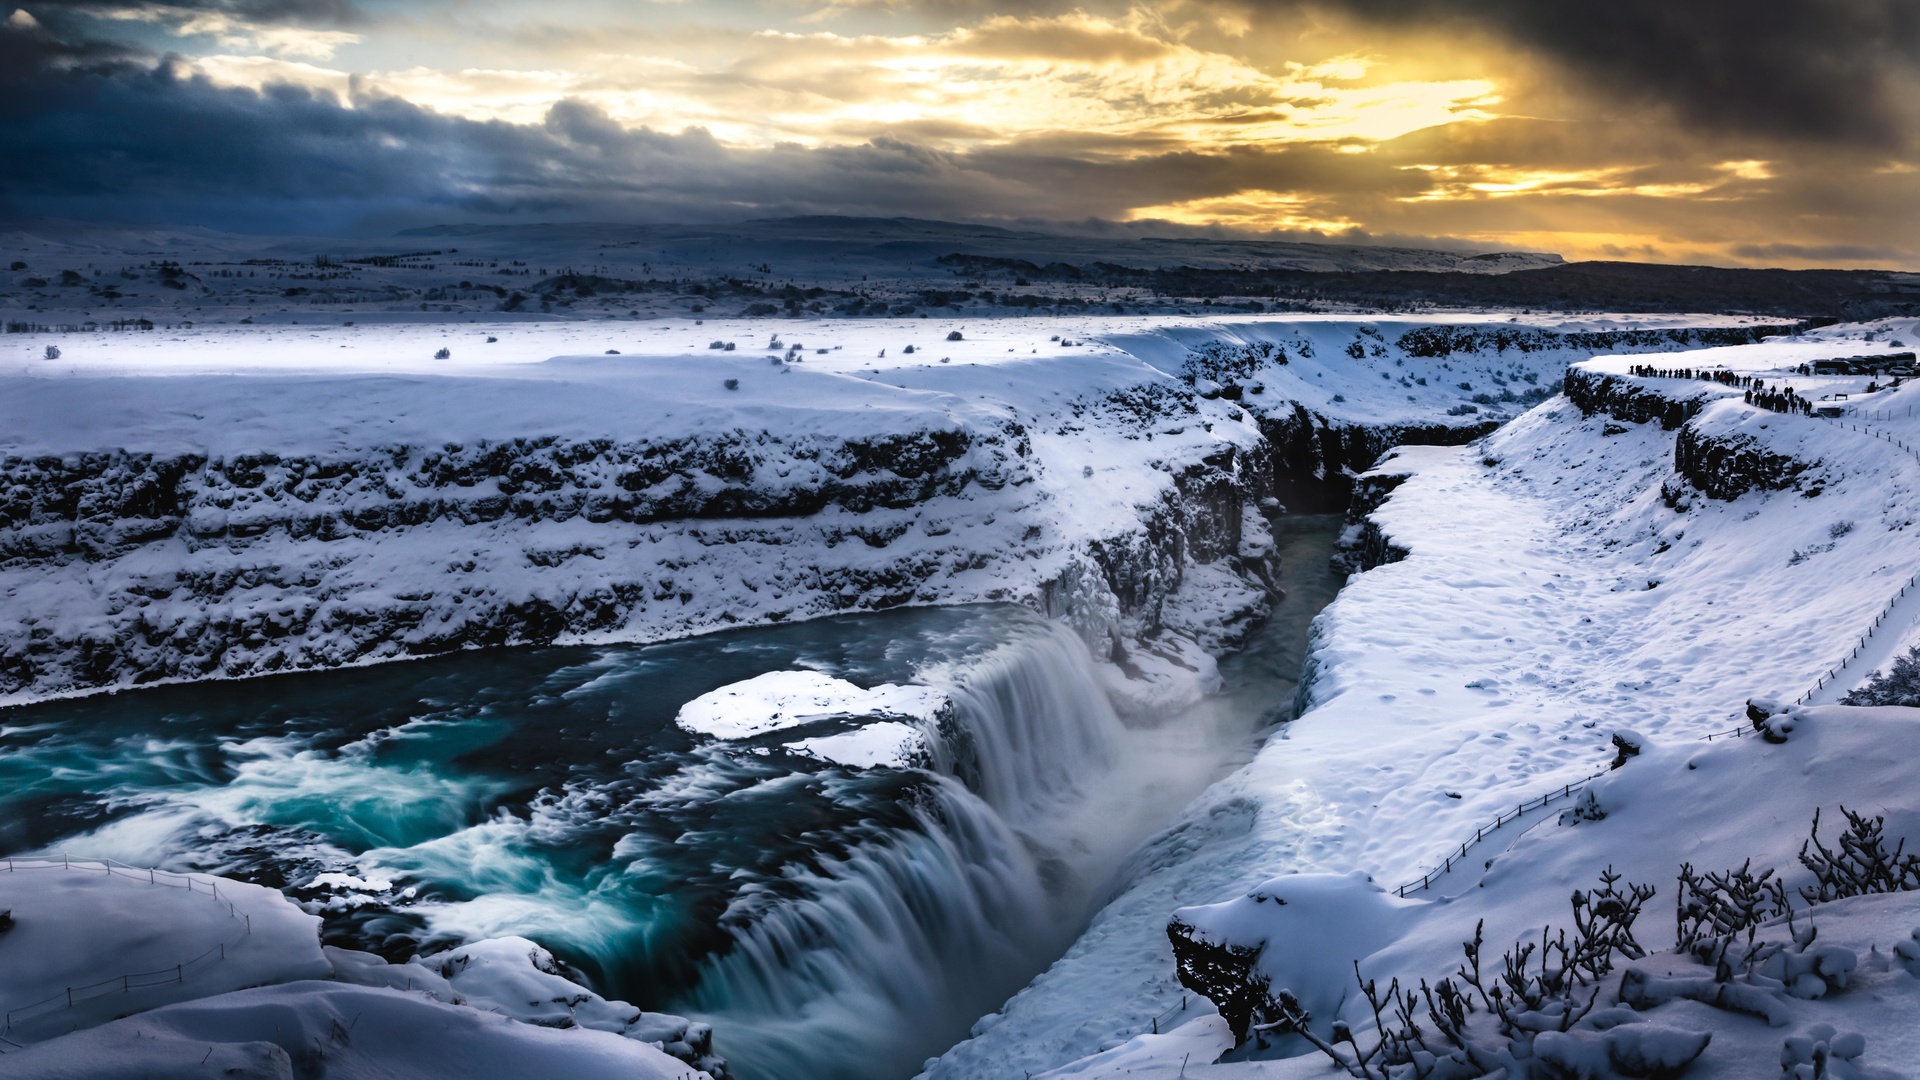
[(1257, 118), (1004, 80), (233, 33), (1251, 211), (1451, 182)]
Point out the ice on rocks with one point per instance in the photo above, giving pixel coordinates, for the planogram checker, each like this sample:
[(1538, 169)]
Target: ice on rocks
[(785, 699), (889, 724)]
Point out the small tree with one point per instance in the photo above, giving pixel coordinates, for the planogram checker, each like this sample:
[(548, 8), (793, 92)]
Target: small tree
[(1898, 685)]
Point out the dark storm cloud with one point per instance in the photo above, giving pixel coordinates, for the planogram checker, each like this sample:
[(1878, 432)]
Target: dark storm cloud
[(108, 132), (1806, 69), (101, 131), (305, 13), (29, 52), (92, 133)]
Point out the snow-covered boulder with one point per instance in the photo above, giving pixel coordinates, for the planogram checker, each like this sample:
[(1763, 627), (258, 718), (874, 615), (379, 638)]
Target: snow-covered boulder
[(341, 1032), (514, 977), (1300, 933), (845, 723)]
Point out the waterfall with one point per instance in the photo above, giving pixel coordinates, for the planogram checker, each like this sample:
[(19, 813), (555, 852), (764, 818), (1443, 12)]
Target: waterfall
[(830, 921), (889, 954), (1031, 723)]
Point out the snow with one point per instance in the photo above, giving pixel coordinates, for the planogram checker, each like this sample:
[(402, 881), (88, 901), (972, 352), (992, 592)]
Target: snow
[(784, 699), (352, 1032), (885, 743), (1550, 597), (254, 993), (514, 977), (124, 940), (893, 722), (1196, 1042), (1313, 927)]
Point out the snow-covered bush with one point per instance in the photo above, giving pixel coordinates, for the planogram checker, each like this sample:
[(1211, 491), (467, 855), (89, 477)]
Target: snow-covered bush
[(1488, 1020), (1713, 910), (1898, 685), (1821, 1051), (1908, 953), (1862, 865), (1536, 1011)]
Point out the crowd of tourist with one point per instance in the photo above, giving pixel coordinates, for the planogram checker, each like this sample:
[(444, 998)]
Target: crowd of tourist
[(1782, 399)]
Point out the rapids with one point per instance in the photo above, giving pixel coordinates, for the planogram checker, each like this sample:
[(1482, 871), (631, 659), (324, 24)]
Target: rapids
[(829, 921)]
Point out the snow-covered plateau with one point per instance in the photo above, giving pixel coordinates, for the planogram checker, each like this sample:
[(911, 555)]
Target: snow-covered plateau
[(1543, 584), (226, 502)]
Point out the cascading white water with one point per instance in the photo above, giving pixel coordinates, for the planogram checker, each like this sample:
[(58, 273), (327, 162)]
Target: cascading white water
[(832, 921), (891, 953), (1033, 723)]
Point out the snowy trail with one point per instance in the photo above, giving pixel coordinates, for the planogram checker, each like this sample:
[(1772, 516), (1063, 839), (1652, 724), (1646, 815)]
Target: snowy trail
[(1550, 598), (1891, 629), (1461, 869), (1877, 649)]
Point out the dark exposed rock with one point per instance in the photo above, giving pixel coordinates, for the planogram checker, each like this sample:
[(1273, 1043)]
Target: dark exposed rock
[(1305, 443), (99, 505), (1362, 545), (1628, 399), (1223, 973), (1727, 466), (1721, 465)]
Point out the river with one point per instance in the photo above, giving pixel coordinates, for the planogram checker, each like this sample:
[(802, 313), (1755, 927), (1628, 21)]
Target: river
[(829, 921)]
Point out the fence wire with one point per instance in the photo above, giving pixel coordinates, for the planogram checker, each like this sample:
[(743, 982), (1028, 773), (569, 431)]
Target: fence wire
[(127, 982), (1446, 864)]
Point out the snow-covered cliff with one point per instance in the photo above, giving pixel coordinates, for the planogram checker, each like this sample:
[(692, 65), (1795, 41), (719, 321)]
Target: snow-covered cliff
[(334, 497), (1561, 581)]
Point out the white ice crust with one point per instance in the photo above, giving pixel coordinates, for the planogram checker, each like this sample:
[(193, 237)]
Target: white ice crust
[(893, 719), (784, 699)]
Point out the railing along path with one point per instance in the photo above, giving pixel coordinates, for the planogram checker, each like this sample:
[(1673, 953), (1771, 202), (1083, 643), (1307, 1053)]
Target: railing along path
[(1445, 866), (127, 982)]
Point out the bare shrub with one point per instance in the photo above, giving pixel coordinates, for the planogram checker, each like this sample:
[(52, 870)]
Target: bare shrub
[(1862, 865)]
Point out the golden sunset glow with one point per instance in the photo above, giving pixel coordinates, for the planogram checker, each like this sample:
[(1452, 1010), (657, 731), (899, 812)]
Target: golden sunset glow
[(1006, 80), (1258, 118)]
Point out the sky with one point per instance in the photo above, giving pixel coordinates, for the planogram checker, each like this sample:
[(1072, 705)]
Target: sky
[(1729, 132)]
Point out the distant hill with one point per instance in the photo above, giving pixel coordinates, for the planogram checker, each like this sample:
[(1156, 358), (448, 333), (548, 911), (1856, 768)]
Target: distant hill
[(822, 247), (75, 273)]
